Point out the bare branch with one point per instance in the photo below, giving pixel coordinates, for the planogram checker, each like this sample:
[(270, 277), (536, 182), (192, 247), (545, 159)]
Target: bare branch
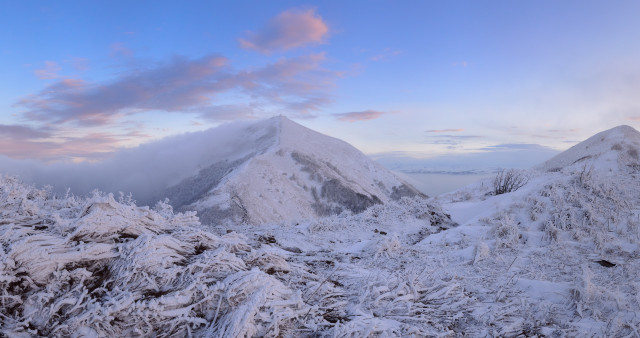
[(509, 181)]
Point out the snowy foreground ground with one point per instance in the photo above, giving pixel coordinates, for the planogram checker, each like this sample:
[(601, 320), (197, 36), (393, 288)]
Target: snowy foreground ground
[(558, 257)]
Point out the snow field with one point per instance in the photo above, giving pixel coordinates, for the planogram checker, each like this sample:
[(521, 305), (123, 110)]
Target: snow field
[(559, 257)]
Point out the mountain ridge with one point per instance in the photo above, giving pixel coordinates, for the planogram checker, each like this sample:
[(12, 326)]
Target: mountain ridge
[(295, 173)]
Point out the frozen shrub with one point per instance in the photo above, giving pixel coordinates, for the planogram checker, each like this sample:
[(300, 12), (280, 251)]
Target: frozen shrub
[(551, 233), (589, 299), (508, 181), (536, 208), (585, 175), (506, 232), (461, 196), (632, 227), (421, 208), (481, 252), (388, 247)]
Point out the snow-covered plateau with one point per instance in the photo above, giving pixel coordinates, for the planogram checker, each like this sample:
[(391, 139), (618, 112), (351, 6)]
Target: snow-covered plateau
[(558, 257)]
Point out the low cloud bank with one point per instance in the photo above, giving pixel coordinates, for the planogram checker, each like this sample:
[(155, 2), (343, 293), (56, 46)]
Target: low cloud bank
[(144, 171), (485, 160)]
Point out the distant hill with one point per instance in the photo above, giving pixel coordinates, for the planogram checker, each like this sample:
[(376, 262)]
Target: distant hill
[(615, 149)]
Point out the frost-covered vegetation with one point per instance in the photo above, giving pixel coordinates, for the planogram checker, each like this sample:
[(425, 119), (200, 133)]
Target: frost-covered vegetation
[(559, 256), (101, 267), (508, 181), (508, 269), (553, 259)]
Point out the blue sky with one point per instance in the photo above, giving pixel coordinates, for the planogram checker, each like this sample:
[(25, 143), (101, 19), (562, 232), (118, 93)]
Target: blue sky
[(412, 78)]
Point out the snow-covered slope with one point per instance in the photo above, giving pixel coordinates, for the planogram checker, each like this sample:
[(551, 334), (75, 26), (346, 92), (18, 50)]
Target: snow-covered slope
[(95, 267), (292, 173), (616, 149), (559, 257)]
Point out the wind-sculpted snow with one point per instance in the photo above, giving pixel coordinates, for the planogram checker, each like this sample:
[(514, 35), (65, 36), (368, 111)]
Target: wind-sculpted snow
[(102, 267), (99, 267)]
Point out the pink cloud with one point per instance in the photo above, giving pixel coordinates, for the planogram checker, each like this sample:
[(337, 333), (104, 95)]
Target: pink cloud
[(21, 142), (173, 86), (21, 132), (50, 71), (290, 29), (297, 86), (186, 85), (445, 130), (359, 116), (299, 83), (72, 82)]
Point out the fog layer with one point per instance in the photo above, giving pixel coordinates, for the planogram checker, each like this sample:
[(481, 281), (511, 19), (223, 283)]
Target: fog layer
[(144, 171)]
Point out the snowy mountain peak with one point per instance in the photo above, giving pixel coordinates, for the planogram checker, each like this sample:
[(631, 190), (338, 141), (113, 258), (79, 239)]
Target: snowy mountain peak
[(625, 130), (285, 172), (292, 135), (614, 149)]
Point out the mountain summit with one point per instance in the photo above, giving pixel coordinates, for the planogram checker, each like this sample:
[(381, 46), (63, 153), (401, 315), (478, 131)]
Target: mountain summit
[(615, 149), (283, 171)]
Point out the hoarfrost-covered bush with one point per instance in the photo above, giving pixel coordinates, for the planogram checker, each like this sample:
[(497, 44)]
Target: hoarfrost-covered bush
[(589, 299), (460, 196), (481, 252), (330, 223), (509, 180), (551, 233), (388, 247), (505, 230), (536, 207), (421, 208)]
